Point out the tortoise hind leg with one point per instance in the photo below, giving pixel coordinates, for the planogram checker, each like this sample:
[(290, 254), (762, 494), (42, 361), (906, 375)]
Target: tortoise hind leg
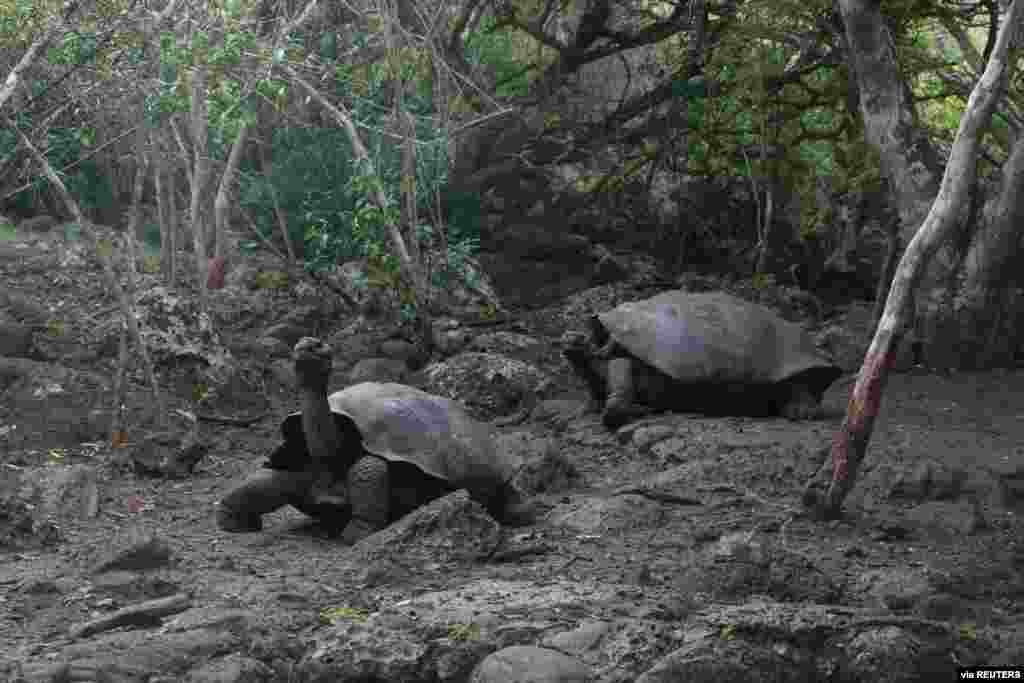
[(621, 406), (513, 508), (369, 491)]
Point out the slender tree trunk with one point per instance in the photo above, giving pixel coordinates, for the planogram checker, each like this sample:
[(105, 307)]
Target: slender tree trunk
[(163, 181), (138, 186), (174, 228), (851, 441), (892, 259), (183, 149), (200, 176), (222, 210), (282, 219), (682, 110)]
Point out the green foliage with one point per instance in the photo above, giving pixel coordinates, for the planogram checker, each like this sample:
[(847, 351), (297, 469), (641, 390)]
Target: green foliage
[(90, 186), (272, 279), (7, 231), (312, 175), (228, 112), (151, 264), (234, 44), (968, 631), (77, 48), (332, 615), (15, 17), (171, 52), (500, 49), (328, 46), (694, 88), (151, 235), (464, 632)]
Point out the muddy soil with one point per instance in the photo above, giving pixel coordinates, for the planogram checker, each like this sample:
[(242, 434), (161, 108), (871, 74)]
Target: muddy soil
[(933, 530)]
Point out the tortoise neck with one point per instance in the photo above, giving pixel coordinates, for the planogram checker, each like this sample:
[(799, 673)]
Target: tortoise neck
[(319, 427)]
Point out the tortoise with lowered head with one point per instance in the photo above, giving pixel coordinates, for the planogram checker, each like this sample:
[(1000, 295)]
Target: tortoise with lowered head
[(368, 454), (706, 352)]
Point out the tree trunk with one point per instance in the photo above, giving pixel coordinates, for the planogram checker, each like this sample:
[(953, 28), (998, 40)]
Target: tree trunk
[(908, 157), (892, 259), (282, 219), (168, 227), (909, 160), (138, 185), (222, 209), (995, 246), (200, 175), (851, 441)]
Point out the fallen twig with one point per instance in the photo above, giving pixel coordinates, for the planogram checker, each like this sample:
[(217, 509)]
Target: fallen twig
[(149, 613), (516, 554), (658, 496), (235, 421)]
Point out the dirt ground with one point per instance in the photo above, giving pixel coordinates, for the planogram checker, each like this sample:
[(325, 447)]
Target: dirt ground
[(940, 497)]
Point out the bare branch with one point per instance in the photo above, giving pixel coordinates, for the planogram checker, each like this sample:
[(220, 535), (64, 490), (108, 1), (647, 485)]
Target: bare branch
[(56, 25)]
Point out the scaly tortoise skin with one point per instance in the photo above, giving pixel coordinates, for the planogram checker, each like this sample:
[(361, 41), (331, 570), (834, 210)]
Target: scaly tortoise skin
[(703, 352)]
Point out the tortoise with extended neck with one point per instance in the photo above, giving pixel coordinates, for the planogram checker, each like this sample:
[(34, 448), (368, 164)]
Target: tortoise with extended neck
[(700, 352), (366, 455)]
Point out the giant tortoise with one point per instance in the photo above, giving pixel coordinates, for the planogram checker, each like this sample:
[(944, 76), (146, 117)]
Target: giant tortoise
[(368, 454), (703, 352)]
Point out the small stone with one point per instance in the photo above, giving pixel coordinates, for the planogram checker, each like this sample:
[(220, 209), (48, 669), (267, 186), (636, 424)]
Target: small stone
[(528, 664), (37, 224), (399, 349), (147, 553), (289, 333), (645, 437), (896, 589), (378, 370), (947, 519), (272, 346), (609, 267), (673, 449), (16, 341), (587, 636), (557, 411)]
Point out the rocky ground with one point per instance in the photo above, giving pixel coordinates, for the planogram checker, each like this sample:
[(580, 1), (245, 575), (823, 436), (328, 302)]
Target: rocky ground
[(674, 549)]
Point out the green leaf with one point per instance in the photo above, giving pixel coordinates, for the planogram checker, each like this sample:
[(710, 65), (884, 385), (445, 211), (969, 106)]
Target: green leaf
[(332, 615)]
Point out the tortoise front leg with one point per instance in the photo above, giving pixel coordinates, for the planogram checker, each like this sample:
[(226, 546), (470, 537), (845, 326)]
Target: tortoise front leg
[(369, 489), (263, 492), (576, 351), (799, 402)]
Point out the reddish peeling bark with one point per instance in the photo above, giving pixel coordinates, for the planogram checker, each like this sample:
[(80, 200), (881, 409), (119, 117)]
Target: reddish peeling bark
[(850, 443), (215, 273)]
